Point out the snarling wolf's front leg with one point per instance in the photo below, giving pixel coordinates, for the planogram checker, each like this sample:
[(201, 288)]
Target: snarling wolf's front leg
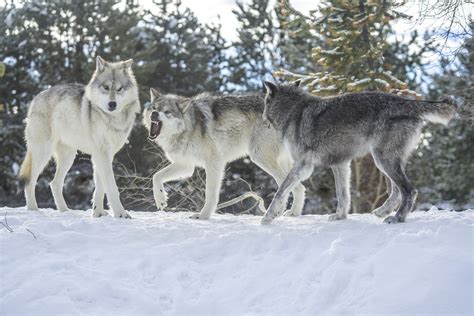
[(174, 171), (214, 176), (103, 165), (300, 171)]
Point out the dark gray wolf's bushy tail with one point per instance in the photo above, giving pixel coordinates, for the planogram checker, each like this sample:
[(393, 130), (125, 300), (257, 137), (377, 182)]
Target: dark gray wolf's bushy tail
[(441, 111)]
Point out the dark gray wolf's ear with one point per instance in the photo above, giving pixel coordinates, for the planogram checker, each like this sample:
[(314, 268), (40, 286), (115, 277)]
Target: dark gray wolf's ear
[(154, 94), (297, 83), (101, 64), (271, 88)]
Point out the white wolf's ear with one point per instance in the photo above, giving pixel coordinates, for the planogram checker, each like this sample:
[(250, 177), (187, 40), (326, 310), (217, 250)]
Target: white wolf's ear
[(271, 88), (101, 64), (297, 83), (127, 63), (154, 94)]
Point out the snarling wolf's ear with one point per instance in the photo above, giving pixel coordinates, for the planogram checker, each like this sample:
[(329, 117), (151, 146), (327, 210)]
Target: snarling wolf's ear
[(154, 94), (271, 88), (101, 64), (127, 63), (297, 83)]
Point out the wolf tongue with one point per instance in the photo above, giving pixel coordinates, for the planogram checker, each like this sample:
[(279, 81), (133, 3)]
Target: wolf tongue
[(155, 129)]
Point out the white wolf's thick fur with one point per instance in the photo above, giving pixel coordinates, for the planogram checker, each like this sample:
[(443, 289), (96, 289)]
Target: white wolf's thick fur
[(235, 134), (67, 118)]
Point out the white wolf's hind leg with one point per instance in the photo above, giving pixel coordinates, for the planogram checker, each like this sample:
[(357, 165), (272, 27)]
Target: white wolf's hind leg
[(64, 157), (40, 155), (98, 199)]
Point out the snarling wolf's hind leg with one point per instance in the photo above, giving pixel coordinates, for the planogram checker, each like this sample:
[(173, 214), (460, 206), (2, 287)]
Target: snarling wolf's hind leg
[(64, 157), (214, 175), (392, 202), (40, 155), (300, 172), (342, 177), (279, 169), (394, 169)]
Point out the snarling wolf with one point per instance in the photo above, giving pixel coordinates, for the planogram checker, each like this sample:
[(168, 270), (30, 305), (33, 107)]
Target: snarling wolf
[(95, 118), (332, 131), (209, 131)]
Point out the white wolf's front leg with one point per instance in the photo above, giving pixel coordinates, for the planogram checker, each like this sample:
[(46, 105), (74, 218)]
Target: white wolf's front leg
[(103, 165), (214, 176), (98, 199), (171, 172)]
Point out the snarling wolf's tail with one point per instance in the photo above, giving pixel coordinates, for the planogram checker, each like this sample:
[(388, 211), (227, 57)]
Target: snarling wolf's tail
[(25, 172), (441, 111)]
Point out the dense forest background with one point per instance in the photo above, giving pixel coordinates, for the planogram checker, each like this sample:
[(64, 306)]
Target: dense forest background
[(340, 46)]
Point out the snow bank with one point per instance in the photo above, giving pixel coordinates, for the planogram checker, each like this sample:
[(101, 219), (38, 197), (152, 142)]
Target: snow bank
[(166, 264)]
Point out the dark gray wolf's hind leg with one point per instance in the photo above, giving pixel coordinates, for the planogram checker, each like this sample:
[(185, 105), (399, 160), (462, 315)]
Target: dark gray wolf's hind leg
[(301, 171), (342, 178), (392, 202), (394, 169)]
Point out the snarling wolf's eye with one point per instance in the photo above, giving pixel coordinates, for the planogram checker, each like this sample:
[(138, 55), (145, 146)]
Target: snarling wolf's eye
[(167, 112), (120, 89), (106, 87)]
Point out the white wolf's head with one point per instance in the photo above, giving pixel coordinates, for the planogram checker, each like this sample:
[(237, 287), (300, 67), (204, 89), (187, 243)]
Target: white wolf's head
[(165, 115), (113, 87)]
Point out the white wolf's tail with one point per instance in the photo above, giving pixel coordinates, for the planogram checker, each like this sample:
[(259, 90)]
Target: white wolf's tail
[(441, 111), (25, 172)]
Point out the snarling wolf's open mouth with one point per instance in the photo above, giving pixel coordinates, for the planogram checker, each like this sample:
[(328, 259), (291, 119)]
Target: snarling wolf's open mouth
[(155, 127)]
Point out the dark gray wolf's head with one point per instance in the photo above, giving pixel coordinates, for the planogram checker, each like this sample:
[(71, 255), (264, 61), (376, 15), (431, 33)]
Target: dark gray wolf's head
[(165, 115), (113, 87), (280, 98)]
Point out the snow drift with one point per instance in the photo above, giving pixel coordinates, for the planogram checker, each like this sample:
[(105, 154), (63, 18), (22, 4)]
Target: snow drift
[(166, 264)]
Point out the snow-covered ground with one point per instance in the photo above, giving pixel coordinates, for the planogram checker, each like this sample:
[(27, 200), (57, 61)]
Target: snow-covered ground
[(166, 264)]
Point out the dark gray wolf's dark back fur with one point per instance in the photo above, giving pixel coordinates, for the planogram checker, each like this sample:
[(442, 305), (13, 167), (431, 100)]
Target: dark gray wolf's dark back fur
[(332, 131), (338, 123)]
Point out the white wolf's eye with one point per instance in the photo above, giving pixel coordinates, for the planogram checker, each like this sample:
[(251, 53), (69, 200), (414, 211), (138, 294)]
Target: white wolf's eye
[(106, 87), (120, 89)]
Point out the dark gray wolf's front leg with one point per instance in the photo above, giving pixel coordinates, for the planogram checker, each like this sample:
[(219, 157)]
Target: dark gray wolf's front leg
[(342, 177), (300, 172)]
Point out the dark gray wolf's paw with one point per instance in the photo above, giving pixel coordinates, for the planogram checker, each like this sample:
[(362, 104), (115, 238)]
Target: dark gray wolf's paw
[(336, 217), (392, 220)]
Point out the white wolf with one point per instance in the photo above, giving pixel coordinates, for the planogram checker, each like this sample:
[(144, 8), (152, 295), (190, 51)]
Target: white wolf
[(209, 131), (95, 119)]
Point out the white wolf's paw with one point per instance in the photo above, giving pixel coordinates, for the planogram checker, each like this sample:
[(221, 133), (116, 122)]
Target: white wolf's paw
[(267, 218), (381, 212), (62, 210), (392, 220), (199, 216), (122, 214), (289, 213), (161, 199), (99, 213), (336, 217)]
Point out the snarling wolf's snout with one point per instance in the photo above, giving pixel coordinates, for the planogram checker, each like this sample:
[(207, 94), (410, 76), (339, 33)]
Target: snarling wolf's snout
[(156, 125), (154, 116)]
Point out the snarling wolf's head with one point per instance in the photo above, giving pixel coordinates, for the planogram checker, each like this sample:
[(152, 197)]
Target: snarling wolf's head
[(278, 98), (165, 115), (113, 87)]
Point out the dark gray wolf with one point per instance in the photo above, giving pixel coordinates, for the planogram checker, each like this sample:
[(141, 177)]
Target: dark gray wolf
[(333, 131), (210, 131), (95, 118)]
